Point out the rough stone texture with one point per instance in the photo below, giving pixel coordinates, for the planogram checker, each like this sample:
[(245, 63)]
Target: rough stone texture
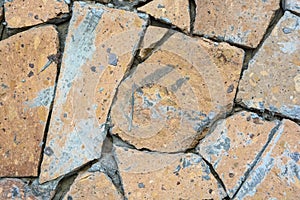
[(170, 11), (293, 5), (1, 10), (148, 175), (14, 189), (272, 80), (233, 146), (238, 21), (95, 59), (19, 13), (93, 186), (276, 176), (176, 93), (25, 98)]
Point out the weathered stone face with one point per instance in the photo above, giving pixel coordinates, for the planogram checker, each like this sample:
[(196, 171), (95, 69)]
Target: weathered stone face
[(14, 189), (148, 175), (292, 5), (237, 21), (272, 80), (25, 97), (276, 176), (95, 59), (19, 13), (171, 98)]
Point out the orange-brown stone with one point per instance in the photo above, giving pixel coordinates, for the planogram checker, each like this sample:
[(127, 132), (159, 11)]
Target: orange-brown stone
[(15, 189)]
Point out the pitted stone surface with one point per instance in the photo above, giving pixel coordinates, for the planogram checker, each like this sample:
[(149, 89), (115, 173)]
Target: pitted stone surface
[(15, 189), (185, 85), (25, 98), (93, 186), (292, 5), (272, 80), (233, 146), (237, 21), (95, 59), (20, 13), (148, 175), (170, 11), (276, 176)]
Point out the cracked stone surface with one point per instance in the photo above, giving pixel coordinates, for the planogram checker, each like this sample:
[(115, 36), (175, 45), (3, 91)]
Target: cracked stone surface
[(94, 62), (25, 98), (292, 5), (233, 146), (271, 82), (236, 21), (147, 175), (19, 13)]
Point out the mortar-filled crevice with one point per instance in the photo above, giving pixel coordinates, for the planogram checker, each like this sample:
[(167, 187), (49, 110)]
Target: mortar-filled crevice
[(192, 12)]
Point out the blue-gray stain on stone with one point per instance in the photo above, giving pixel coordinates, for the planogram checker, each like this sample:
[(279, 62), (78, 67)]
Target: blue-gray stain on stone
[(112, 59), (44, 98)]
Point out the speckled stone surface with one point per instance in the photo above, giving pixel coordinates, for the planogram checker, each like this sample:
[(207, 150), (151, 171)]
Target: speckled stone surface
[(238, 21), (272, 80), (15, 189), (20, 13), (292, 5), (276, 176), (95, 59), (148, 175), (25, 98), (234, 145)]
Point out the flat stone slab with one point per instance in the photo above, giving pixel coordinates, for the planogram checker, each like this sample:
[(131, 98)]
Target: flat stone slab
[(93, 186), (15, 189), (234, 145), (25, 97), (19, 13), (95, 60), (170, 99), (292, 5), (170, 11), (237, 21), (276, 176), (271, 82), (148, 175)]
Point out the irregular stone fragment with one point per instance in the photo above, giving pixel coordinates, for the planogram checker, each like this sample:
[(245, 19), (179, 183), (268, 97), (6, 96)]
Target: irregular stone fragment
[(234, 145), (19, 13), (277, 175), (25, 98), (292, 5), (170, 99), (87, 84), (1, 10), (237, 21), (170, 11), (148, 175), (271, 82), (15, 189), (93, 186)]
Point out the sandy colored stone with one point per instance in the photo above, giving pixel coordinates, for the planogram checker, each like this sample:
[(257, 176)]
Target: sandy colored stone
[(183, 87), (276, 176), (20, 13), (170, 11), (15, 189), (238, 21), (93, 186), (292, 5), (148, 175), (95, 59), (25, 98), (234, 145), (1, 10), (272, 80)]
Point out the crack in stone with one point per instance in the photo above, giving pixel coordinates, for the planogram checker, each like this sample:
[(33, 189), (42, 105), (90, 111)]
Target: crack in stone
[(192, 11)]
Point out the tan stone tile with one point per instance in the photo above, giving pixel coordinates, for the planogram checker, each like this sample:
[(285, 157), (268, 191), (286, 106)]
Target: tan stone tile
[(14, 189), (272, 80), (19, 13), (176, 93), (276, 176), (233, 146), (170, 11), (148, 175), (25, 98), (293, 5), (93, 186), (95, 59), (238, 21)]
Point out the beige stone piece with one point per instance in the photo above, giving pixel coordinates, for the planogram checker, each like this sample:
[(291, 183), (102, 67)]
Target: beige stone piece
[(172, 97), (170, 11), (93, 186), (272, 80), (95, 60), (292, 5), (238, 21), (147, 175), (15, 189), (20, 13), (234, 145), (25, 97), (276, 176)]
